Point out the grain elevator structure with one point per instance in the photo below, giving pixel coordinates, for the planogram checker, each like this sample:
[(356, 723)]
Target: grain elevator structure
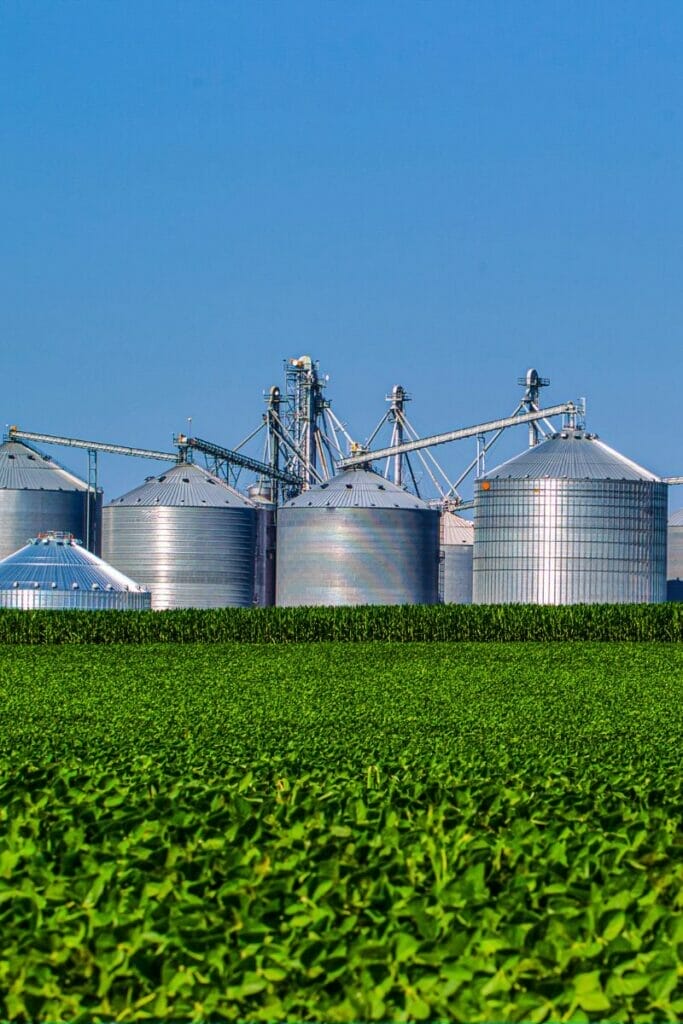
[(326, 520)]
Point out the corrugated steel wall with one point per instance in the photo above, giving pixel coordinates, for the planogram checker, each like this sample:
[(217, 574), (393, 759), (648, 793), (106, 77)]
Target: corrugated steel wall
[(674, 565), (455, 563), (264, 580), (187, 557), (455, 574), (352, 556), (84, 600), (26, 513), (569, 541)]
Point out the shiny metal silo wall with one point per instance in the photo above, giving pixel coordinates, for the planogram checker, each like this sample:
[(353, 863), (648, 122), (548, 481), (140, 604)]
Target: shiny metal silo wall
[(37, 495), (455, 564), (357, 539), (188, 537), (570, 522), (674, 565)]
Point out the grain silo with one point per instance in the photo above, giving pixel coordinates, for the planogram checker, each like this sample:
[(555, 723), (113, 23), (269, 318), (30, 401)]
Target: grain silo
[(570, 521), (53, 571), (357, 539), (264, 556), (455, 565), (674, 566), (186, 536), (37, 495)]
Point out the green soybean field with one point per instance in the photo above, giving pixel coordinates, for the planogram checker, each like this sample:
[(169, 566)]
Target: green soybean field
[(341, 832)]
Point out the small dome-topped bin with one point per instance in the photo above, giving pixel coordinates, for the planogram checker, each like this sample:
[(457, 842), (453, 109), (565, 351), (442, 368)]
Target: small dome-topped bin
[(37, 495), (187, 536), (570, 521), (55, 571), (357, 539)]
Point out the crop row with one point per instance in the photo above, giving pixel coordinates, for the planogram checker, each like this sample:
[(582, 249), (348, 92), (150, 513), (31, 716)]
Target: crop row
[(342, 832), (402, 623)]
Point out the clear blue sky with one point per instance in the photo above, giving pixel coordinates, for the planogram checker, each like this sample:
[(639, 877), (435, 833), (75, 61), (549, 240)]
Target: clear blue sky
[(425, 193)]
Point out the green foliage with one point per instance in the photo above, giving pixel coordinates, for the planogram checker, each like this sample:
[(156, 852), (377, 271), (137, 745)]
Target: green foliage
[(349, 832), (397, 623)]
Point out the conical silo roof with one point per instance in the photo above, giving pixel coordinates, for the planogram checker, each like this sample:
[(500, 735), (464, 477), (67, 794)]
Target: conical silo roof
[(58, 562), (25, 469), (183, 486), (455, 529), (570, 455), (357, 488)]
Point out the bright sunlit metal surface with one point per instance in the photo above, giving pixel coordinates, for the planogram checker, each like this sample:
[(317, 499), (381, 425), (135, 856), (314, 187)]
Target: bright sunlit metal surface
[(37, 495), (358, 539), (186, 536), (594, 534)]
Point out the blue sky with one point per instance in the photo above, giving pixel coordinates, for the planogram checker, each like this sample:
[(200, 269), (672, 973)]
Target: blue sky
[(433, 194)]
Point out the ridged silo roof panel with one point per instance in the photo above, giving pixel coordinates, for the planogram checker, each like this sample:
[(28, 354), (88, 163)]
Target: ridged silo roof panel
[(56, 564), (571, 455), (456, 530), (183, 486), (22, 468), (357, 488)]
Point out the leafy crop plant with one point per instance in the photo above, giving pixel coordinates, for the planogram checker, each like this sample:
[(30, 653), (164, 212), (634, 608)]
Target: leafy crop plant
[(341, 832)]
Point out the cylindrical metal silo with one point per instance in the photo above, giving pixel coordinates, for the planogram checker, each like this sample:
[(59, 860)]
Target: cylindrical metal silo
[(54, 571), (187, 536), (37, 495), (674, 566), (570, 521), (264, 568), (357, 539), (455, 565)]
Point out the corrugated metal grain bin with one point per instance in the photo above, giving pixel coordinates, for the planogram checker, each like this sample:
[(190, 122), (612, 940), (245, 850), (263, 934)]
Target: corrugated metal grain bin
[(357, 539), (186, 536), (264, 580), (455, 566), (53, 571), (37, 495), (674, 566), (570, 521)]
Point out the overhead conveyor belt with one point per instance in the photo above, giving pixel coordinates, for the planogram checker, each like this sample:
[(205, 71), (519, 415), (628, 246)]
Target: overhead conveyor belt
[(567, 408), (15, 434)]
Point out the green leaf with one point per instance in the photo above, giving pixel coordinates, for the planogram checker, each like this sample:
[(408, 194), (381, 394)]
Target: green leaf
[(615, 926), (662, 985), (406, 947)]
